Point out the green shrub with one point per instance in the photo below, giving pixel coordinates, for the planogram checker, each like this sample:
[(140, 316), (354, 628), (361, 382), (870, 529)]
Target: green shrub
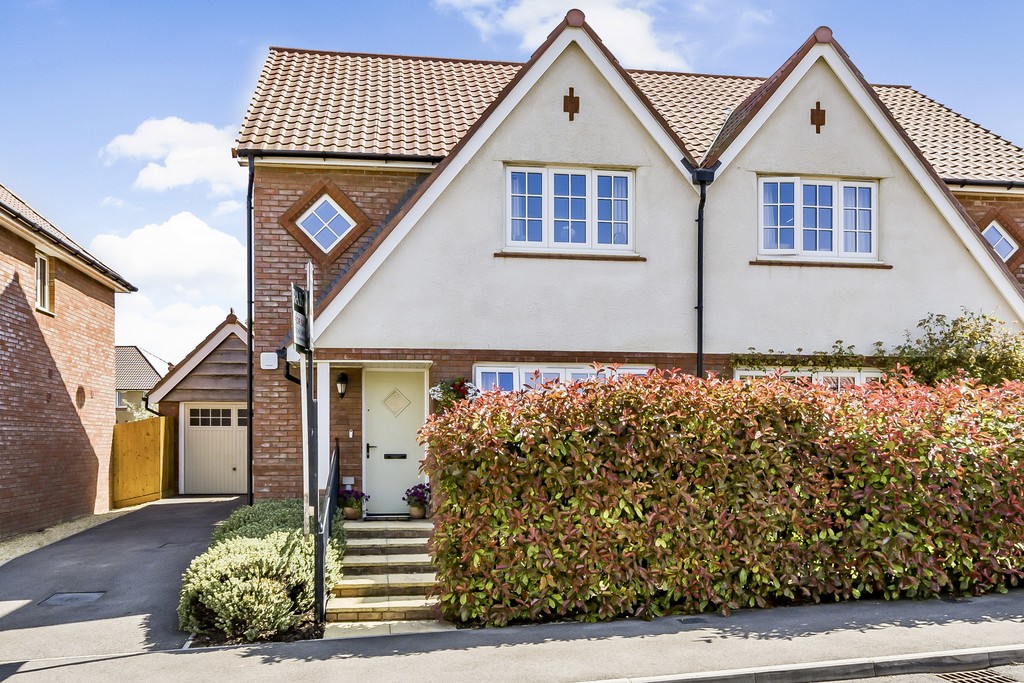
[(252, 588), (668, 492), (981, 345), (264, 517), (256, 580)]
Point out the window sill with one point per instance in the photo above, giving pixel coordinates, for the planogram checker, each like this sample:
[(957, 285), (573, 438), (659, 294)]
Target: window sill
[(45, 312), (877, 265), (569, 256)]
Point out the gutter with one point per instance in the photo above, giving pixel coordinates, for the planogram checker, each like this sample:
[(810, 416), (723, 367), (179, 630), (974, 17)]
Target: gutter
[(81, 255), (965, 182), (302, 154)]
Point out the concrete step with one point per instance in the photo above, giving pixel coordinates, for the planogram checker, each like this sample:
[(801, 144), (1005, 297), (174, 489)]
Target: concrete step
[(385, 584), (375, 529), (386, 546), (381, 608), (361, 565), (368, 629)]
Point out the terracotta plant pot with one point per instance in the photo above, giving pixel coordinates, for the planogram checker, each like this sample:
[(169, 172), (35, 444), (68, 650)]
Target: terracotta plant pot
[(417, 512), (352, 513)]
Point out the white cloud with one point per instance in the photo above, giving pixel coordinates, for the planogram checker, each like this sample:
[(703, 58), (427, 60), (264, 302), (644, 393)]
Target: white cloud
[(628, 27), (188, 275), (180, 153), (114, 202), (228, 206), (169, 331)]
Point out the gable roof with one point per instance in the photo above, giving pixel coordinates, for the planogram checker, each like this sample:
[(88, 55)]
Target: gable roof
[(230, 326), (132, 370), (573, 30), (25, 215), (384, 106)]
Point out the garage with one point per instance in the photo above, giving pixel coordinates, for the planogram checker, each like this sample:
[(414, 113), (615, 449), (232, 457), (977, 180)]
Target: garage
[(205, 396), (214, 448)]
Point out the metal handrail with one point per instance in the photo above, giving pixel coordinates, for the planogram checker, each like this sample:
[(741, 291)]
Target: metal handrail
[(328, 506)]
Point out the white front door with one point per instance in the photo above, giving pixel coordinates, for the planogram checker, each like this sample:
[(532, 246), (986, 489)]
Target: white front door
[(214, 446), (395, 404)]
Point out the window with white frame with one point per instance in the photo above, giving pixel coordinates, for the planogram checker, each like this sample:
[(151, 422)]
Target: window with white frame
[(997, 237), (326, 223), (837, 379), (44, 288), (529, 375), (119, 400), (569, 209), (209, 417), (819, 218)]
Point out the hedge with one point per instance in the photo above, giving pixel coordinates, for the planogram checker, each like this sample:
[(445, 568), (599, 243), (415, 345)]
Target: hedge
[(645, 495), (256, 580)]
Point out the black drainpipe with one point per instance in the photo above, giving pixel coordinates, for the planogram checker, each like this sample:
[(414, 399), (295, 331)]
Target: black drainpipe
[(703, 177), (249, 316)]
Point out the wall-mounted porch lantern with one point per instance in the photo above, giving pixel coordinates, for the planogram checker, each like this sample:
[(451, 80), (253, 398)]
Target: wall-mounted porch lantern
[(342, 384)]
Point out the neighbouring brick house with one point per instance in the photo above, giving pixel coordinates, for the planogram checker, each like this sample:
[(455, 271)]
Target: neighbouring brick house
[(134, 376), (490, 220), (57, 364)]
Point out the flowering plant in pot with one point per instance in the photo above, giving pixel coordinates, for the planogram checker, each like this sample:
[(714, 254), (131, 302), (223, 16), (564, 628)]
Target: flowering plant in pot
[(448, 393), (351, 502), (418, 499)]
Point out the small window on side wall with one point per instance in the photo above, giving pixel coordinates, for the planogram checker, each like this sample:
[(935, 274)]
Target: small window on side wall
[(44, 283), (999, 240)]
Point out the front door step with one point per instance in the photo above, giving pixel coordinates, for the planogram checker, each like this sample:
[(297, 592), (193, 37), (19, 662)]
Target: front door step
[(381, 608), (368, 629)]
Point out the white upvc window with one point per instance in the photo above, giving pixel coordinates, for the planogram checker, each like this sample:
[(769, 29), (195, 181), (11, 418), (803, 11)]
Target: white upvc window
[(837, 379), (529, 375), (817, 218), (326, 223), (569, 209), (119, 400), (44, 289), (999, 240)]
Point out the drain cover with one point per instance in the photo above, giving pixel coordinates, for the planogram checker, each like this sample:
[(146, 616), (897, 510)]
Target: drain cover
[(693, 620), (983, 676), (71, 599)]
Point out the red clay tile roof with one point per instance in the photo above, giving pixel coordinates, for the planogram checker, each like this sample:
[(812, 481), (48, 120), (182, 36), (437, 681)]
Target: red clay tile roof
[(26, 215), (379, 105)]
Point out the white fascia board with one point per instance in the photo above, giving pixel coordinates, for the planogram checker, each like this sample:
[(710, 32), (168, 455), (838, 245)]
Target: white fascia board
[(339, 163), (473, 144), (180, 372), (984, 189), (932, 186)]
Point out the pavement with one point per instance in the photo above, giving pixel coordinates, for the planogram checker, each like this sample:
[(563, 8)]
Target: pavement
[(101, 605), (110, 589)]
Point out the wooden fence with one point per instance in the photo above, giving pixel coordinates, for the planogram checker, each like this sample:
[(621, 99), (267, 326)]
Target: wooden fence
[(142, 462)]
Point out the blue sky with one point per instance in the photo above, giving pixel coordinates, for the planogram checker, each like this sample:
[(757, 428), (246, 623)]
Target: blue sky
[(118, 116)]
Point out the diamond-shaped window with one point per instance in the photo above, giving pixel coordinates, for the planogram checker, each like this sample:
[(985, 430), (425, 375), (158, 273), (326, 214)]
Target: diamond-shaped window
[(326, 223)]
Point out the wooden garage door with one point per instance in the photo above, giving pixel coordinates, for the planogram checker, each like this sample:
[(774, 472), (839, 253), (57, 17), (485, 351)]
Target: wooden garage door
[(214, 448)]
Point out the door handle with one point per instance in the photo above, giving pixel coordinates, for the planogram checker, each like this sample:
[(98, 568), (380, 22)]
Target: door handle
[(368, 447)]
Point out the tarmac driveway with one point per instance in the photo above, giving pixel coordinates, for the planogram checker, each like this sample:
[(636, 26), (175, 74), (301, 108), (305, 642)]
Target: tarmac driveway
[(110, 589)]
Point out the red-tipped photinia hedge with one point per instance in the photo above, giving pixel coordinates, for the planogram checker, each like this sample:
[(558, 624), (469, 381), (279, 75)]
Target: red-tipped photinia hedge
[(649, 494)]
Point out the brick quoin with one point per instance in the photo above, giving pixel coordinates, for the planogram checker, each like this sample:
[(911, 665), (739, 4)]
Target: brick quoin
[(57, 399)]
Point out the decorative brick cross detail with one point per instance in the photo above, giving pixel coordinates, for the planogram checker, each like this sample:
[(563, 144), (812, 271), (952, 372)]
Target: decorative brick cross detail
[(817, 117), (571, 104)]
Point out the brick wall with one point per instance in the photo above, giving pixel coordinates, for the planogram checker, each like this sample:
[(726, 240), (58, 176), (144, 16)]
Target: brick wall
[(57, 396), (279, 261), (1008, 210)]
